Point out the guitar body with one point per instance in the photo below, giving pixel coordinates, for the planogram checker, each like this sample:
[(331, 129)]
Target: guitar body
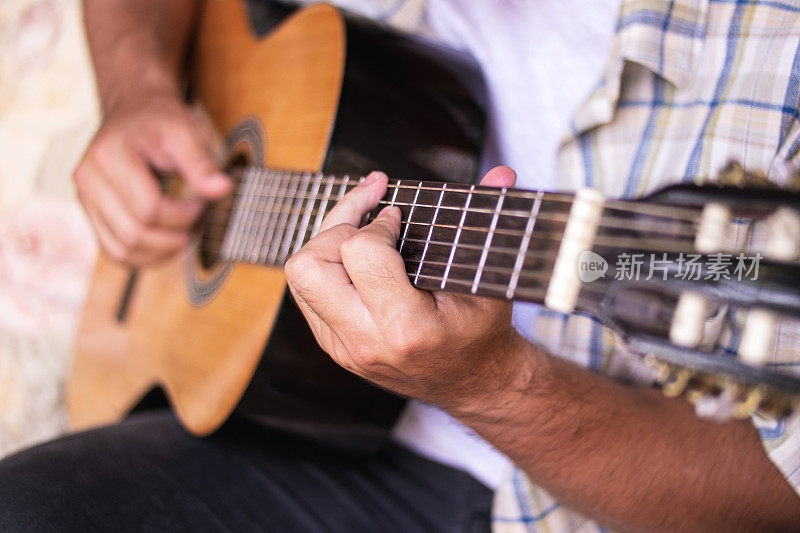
[(321, 90)]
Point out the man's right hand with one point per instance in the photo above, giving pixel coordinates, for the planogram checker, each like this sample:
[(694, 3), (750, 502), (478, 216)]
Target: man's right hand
[(135, 223)]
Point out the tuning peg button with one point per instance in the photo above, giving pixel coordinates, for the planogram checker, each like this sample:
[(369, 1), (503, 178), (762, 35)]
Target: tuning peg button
[(759, 335), (688, 322), (712, 233), (750, 403), (718, 407), (783, 242)]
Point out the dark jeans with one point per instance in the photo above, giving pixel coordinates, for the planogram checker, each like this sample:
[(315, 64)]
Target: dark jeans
[(148, 474)]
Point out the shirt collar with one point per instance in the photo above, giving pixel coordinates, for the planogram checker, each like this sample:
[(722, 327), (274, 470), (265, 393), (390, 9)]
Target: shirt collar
[(664, 36)]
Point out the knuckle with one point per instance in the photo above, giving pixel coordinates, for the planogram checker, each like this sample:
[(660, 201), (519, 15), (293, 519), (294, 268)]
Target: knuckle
[(118, 254), (299, 267), (102, 151), (132, 237), (347, 230), (364, 358), (146, 209), (357, 244), (79, 176), (403, 340)]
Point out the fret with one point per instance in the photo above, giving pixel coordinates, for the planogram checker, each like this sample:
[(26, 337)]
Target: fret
[(410, 213), (523, 247), (430, 232), (488, 242), (275, 212), (481, 240), (266, 197), (267, 214), (459, 228), (296, 210), (497, 269), (252, 215), (499, 250), (394, 195), (285, 208), (343, 188), (494, 289), (233, 220), (522, 214), (307, 216), (240, 213), (326, 196)]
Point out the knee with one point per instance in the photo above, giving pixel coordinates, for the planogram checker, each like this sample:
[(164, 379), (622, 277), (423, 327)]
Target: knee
[(30, 492)]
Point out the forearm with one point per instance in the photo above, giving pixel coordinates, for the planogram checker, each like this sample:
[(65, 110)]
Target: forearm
[(137, 45), (630, 457)]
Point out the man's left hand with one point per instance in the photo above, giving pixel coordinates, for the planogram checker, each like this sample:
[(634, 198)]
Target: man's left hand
[(351, 285)]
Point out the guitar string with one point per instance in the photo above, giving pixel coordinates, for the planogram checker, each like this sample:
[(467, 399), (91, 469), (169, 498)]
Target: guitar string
[(541, 272), (299, 200), (639, 242), (586, 288), (612, 205), (664, 244), (483, 285), (661, 211), (626, 205), (617, 223), (537, 293), (607, 221), (635, 243), (486, 268), (544, 265), (677, 233)]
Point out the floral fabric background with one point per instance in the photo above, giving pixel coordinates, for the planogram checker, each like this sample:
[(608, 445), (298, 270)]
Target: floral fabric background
[(48, 113)]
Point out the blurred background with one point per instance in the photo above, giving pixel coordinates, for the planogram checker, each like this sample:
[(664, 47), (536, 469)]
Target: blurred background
[(48, 113)]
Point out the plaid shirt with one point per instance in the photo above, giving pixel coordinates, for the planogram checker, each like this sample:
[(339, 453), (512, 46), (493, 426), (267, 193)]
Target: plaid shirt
[(688, 86)]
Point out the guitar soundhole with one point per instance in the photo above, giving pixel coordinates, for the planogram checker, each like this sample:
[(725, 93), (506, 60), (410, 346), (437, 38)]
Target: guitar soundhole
[(215, 219), (208, 267)]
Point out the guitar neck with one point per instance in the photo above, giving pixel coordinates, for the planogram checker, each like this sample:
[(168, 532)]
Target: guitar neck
[(471, 239)]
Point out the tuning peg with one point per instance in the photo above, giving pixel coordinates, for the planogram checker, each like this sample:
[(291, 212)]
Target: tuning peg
[(676, 382), (712, 232), (688, 322), (783, 242), (735, 174), (745, 407), (759, 335), (776, 404), (719, 407)]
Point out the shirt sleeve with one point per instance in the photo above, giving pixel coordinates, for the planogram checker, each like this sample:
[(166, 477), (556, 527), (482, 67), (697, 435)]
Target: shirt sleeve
[(781, 436), (781, 440)]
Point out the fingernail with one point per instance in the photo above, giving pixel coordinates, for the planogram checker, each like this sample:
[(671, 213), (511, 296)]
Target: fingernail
[(372, 177)]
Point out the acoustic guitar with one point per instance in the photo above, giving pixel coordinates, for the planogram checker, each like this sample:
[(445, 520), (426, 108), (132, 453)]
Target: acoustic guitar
[(311, 100)]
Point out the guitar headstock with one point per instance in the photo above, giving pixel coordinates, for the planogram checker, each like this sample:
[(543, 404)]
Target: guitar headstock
[(701, 279)]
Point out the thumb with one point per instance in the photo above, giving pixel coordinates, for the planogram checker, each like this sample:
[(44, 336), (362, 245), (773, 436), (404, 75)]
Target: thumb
[(193, 160)]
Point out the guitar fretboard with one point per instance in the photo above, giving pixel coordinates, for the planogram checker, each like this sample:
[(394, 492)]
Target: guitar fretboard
[(455, 237)]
